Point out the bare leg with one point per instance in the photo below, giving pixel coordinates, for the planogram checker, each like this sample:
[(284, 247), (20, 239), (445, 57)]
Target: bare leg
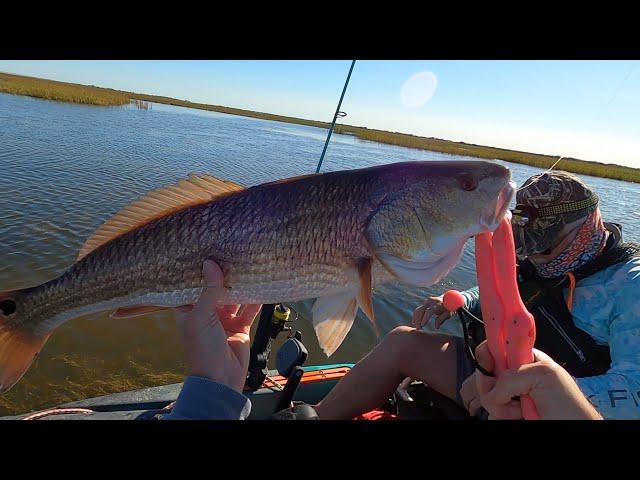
[(404, 352)]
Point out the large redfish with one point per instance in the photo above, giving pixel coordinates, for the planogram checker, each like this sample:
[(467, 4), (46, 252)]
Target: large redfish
[(330, 236)]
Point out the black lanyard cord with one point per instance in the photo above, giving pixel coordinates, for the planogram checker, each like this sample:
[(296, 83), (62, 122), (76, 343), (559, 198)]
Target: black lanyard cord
[(463, 313)]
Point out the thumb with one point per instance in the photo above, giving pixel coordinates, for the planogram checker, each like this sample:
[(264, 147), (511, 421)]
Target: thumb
[(540, 356), (212, 287), (484, 384)]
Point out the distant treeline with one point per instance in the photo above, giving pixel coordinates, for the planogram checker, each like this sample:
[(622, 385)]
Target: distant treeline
[(70, 92)]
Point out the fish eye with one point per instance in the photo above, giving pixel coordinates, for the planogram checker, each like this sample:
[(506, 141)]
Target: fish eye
[(467, 183), (8, 306)]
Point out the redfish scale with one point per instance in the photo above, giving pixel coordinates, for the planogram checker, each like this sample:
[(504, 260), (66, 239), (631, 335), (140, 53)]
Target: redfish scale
[(123, 268), (283, 227), (278, 285), (298, 235)]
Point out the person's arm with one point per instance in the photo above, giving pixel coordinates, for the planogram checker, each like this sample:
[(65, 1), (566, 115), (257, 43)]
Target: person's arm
[(472, 300), (216, 340), (616, 394), (554, 392)]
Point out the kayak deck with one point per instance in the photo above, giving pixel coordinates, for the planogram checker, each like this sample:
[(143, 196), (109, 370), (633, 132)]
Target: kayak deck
[(317, 382)]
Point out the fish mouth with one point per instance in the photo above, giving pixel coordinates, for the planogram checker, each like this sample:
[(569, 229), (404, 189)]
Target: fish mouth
[(491, 217)]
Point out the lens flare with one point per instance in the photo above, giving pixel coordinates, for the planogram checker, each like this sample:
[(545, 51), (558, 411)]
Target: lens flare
[(418, 89)]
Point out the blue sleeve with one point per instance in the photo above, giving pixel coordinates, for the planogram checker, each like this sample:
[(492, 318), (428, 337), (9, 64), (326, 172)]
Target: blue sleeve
[(204, 399), (616, 394), (472, 300)]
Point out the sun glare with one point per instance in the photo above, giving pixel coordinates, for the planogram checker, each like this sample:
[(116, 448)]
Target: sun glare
[(418, 89)]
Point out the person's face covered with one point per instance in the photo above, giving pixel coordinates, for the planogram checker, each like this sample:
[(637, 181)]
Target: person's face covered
[(549, 207), (542, 235)]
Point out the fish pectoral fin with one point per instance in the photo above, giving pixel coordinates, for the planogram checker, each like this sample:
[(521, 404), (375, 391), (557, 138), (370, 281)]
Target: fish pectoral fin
[(158, 203), (333, 317), (364, 298), (128, 312)]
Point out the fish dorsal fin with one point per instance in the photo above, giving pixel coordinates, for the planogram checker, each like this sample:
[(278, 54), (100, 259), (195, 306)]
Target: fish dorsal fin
[(293, 179), (158, 203)]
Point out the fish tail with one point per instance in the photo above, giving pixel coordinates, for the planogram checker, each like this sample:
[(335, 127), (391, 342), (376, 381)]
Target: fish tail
[(18, 345)]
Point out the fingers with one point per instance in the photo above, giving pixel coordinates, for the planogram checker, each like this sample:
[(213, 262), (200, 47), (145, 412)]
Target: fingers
[(510, 411), (469, 393), (417, 316), (514, 383), (246, 315), (474, 406), (497, 395), (484, 384), (443, 317), (432, 306), (250, 312), (423, 313), (402, 389), (226, 311), (540, 356), (213, 288), (484, 357)]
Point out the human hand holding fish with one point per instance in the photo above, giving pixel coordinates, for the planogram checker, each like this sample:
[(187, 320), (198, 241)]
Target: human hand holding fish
[(469, 395), (554, 392), (216, 337), (509, 327)]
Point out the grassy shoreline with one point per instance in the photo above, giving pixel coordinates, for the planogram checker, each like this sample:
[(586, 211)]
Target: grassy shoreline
[(70, 92), (61, 91)]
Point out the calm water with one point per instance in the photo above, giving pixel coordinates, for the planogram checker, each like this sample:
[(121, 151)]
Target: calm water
[(67, 168)]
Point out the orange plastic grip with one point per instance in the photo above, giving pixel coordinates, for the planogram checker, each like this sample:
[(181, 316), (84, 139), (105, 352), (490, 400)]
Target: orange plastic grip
[(520, 327), (490, 301), (510, 328)]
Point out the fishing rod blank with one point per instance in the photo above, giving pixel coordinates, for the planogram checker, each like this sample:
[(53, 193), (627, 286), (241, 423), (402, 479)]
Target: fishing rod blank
[(335, 117)]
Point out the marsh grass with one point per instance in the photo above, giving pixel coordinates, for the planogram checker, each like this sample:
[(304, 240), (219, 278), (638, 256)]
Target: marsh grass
[(86, 377), (61, 91), (596, 169), (52, 90)]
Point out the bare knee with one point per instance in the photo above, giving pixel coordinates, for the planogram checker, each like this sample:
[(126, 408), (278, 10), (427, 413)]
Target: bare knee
[(404, 344), (402, 341)]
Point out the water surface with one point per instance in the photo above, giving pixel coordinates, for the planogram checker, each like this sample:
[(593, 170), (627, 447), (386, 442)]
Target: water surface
[(67, 168)]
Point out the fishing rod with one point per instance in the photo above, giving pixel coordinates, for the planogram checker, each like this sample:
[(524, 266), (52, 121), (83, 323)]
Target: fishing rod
[(337, 115), (274, 318)]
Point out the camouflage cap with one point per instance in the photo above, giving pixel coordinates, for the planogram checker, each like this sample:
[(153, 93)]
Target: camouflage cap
[(549, 202)]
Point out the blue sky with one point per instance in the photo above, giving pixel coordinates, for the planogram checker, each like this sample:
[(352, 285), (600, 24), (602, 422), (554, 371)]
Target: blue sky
[(585, 109)]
